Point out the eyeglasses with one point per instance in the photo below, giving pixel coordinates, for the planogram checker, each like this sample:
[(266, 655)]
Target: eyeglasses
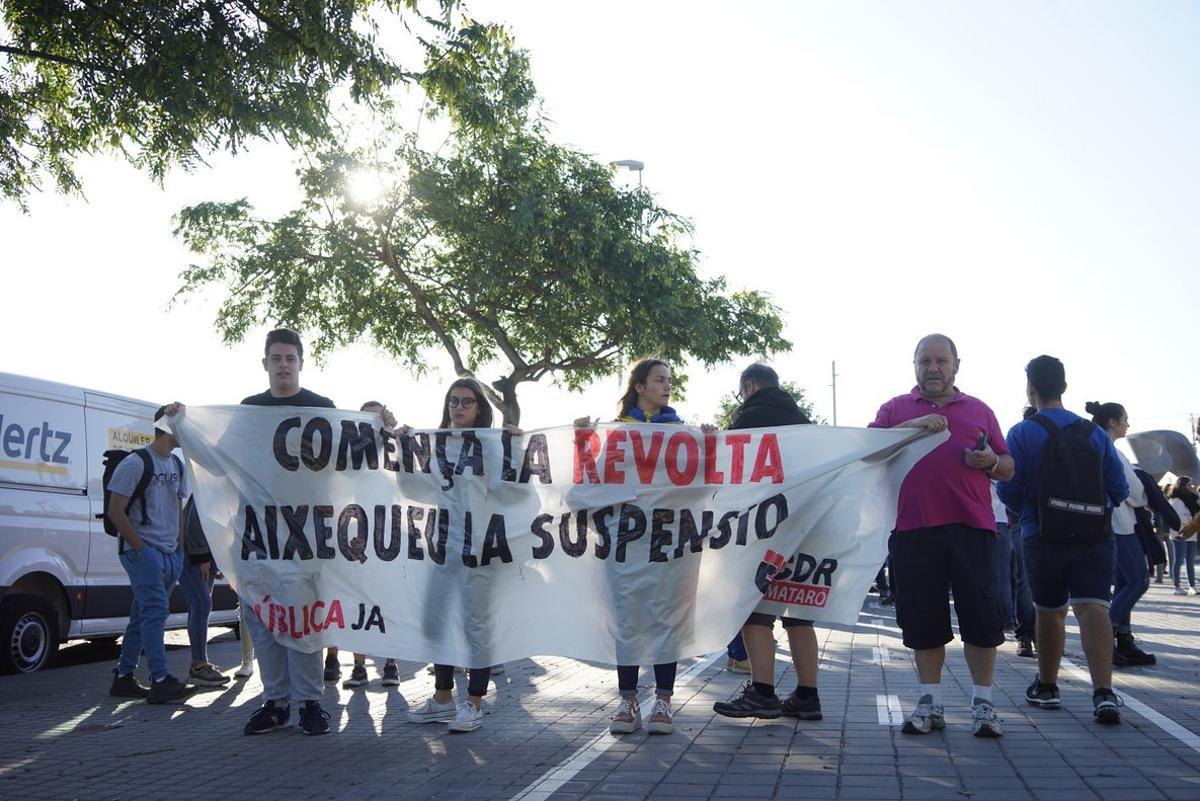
[(741, 394), (466, 403)]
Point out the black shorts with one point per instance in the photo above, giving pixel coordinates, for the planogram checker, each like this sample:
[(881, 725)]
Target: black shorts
[(761, 619), (1059, 572), (930, 563)]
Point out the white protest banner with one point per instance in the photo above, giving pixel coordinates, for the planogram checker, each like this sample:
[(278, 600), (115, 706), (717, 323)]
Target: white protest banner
[(626, 544)]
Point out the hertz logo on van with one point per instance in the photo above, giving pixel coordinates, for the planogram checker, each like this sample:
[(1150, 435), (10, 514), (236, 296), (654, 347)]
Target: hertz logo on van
[(123, 439), (38, 442)]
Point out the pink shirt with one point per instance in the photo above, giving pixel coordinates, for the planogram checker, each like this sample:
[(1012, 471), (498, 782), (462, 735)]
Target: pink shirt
[(941, 489)]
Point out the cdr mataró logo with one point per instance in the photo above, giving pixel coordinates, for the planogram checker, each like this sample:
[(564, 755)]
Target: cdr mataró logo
[(40, 447)]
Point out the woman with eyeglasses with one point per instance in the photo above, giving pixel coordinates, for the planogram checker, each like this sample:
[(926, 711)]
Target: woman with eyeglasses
[(465, 406)]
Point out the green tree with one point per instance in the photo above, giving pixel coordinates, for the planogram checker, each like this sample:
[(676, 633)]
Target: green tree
[(507, 248), (729, 403), (165, 82)]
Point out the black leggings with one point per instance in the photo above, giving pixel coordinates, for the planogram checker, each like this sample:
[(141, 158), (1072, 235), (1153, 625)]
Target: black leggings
[(477, 679), (664, 679)]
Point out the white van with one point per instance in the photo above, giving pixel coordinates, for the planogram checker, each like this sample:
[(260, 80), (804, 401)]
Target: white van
[(59, 573)]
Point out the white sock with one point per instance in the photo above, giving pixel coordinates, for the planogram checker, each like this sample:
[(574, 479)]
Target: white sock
[(934, 690), (981, 693)]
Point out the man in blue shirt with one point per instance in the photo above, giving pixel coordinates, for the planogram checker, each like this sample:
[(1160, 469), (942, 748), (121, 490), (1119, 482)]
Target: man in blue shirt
[(1062, 573)]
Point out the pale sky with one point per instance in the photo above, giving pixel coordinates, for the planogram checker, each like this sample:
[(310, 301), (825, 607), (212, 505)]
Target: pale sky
[(1019, 176)]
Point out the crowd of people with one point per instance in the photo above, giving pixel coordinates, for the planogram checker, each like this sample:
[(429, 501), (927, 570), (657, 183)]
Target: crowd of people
[(1017, 529)]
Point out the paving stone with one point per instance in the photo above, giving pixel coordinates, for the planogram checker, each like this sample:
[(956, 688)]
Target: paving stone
[(62, 738)]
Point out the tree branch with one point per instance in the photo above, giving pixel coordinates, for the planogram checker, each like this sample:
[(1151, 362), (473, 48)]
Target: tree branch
[(539, 369), (418, 296), (70, 62), (277, 26), (520, 366)]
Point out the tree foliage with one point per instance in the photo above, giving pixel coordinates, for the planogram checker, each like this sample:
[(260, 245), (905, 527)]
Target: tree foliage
[(729, 404), (166, 82), (507, 248)]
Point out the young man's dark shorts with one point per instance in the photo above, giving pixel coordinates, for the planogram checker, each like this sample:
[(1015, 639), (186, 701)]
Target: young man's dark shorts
[(1061, 573), (930, 563)]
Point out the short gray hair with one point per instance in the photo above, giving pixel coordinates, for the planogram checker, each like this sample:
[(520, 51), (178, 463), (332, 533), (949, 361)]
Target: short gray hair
[(760, 375)]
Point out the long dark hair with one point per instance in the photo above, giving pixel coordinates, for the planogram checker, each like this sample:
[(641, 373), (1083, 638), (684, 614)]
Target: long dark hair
[(640, 374), (483, 418), (1182, 489), (1104, 413)]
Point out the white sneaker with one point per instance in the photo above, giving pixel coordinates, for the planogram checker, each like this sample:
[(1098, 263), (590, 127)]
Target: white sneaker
[(245, 671), (1181, 591), (432, 712), (468, 718), (627, 719), (660, 721), (1191, 590)]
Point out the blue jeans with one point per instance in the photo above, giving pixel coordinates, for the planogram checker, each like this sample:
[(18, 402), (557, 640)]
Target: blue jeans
[(1185, 555), (198, 594), (1005, 573), (152, 576), (1131, 578), (736, 648), (1026, 614)]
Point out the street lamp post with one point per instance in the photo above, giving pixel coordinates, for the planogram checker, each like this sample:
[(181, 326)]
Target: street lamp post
[(632, 165)]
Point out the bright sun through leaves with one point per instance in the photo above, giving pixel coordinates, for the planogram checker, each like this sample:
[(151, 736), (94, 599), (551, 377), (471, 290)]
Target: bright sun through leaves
[(365, 187)]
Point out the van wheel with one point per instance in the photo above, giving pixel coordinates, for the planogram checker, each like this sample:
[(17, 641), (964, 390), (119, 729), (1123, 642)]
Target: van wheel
[(28, 634)]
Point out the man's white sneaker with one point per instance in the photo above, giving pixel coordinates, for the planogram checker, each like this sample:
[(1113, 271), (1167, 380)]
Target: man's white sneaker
[(245, 671), (432, 712), (984, 720), (468, 718), (926, 717), (1180, 591)]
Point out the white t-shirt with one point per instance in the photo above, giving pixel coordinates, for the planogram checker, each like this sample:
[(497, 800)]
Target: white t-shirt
[(1185, 516), (1124, 521)]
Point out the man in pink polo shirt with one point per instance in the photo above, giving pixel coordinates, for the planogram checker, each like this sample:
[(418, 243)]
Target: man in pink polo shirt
[(945, 535)]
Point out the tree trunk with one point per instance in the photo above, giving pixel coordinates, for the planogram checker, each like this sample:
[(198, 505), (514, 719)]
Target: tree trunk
[(508, 405)]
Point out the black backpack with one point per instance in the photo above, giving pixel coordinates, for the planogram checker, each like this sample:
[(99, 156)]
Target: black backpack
[(1072, 501), (111, 460)]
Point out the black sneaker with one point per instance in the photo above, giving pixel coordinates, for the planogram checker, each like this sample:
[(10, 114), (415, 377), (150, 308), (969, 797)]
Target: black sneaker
[(752, 704), (1025, 647), (333, 670), (887, 600), (168, 691), (127, 687), (391, 675), (268, 717), (1106, 706), (802, 708), (1043, 695), (313, 719), (358, 677)]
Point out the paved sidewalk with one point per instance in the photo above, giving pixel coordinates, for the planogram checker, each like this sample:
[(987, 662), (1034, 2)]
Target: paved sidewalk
[(544, 737)]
